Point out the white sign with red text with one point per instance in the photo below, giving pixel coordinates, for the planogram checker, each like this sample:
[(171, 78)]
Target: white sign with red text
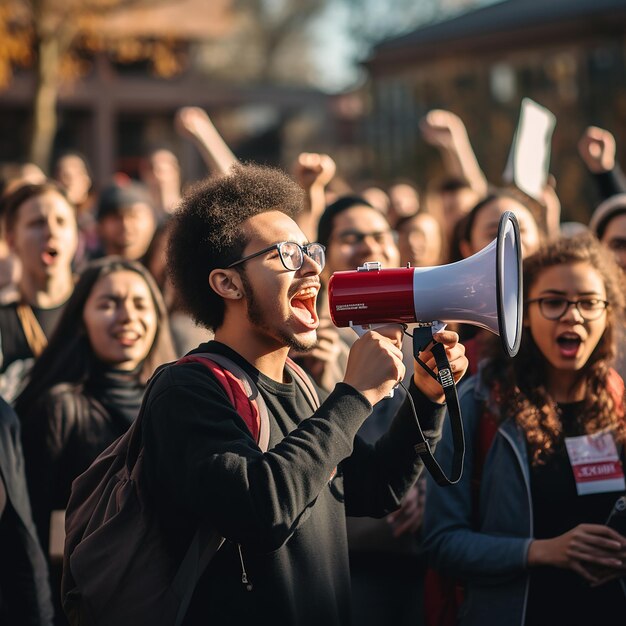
[(595, 463)]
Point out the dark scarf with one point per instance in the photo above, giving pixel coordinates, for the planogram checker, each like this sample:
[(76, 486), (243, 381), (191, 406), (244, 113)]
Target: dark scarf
[(119, 391)]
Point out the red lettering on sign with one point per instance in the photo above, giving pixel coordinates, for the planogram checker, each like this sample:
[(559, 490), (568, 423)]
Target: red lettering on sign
[(597, 471)]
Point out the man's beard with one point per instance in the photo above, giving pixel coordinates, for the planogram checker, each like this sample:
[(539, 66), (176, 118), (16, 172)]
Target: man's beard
[(257, 317)]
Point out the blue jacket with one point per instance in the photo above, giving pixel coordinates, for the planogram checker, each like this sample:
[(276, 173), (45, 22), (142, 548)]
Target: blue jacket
[(489, 554)]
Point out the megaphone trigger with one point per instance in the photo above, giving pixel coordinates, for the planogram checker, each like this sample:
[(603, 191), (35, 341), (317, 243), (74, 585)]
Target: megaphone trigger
[(361, 329)]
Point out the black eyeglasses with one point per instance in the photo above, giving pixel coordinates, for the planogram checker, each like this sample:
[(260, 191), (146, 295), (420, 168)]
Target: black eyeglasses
[(291, 254), (554, 307)]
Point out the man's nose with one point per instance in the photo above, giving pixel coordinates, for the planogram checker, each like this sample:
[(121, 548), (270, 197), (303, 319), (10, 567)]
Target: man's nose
[(309, 266)]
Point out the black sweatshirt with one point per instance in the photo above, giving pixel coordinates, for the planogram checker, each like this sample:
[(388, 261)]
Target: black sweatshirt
[(279, 512)]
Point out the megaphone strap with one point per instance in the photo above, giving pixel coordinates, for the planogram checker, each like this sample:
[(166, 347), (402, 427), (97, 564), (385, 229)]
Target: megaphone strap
[(422, 337)]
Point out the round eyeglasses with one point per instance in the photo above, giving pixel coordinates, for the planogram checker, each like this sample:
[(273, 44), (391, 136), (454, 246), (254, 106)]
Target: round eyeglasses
[(291, 254), (554, 308)]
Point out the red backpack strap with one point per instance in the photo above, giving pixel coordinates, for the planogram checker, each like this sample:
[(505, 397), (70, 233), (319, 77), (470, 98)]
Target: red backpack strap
[(241, 391)]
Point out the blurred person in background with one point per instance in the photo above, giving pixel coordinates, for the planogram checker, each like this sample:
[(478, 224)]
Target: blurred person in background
[(608, 223), (25, 598), (160, 173), (41, 231), (450, 200), (376, 196), (420, 240), (72, 172), (481, 226), (126, 220), (404, 200)]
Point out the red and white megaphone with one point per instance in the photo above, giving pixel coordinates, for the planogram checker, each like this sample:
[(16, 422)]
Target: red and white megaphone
[(483, 290)]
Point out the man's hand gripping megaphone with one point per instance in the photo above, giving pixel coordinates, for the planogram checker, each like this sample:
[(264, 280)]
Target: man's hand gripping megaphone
[(426, 370)]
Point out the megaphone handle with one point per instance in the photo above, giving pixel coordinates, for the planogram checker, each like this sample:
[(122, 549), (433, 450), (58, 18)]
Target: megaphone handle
[(446, 379)]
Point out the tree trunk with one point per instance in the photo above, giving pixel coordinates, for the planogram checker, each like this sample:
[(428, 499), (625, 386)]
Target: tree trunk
[(44, 112)]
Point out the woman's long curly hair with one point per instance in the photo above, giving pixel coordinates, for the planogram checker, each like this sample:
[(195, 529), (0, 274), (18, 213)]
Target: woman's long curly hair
[(519, 383)]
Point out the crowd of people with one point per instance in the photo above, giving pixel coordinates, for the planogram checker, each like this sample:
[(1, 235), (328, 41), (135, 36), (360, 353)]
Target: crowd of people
[(100, 287)]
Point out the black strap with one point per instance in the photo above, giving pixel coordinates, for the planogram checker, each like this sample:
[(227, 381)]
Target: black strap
[(422, 338)]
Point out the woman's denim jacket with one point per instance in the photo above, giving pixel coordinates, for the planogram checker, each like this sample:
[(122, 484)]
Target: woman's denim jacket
[(488, 552)]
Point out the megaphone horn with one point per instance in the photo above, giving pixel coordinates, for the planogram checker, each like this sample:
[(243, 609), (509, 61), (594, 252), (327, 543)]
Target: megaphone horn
[(484, 290)]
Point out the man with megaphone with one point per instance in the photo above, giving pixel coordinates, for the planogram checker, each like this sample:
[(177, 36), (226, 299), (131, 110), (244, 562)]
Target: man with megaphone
[(242, 267)]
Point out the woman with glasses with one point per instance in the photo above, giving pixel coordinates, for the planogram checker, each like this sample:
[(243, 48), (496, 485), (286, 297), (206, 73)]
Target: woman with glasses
[(524, 530)]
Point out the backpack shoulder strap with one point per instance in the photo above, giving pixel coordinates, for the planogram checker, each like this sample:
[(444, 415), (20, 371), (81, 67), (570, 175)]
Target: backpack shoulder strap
[(134, 434), (304, 382), (241, 390)]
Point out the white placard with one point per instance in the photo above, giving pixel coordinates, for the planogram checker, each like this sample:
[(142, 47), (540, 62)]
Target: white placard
[(529, 158)]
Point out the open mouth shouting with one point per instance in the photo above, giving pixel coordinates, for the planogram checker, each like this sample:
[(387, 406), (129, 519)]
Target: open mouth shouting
[(569, 344), (302, 304), (49, 255), (126, 337)]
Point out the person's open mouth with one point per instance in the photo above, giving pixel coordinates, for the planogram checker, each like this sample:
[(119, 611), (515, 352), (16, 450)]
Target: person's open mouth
[(127, 338), (303, 305), (49, 255), (569, 344)]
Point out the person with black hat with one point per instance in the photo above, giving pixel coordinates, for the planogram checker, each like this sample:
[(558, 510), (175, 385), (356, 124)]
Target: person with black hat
[(608, 224), (126, 220)]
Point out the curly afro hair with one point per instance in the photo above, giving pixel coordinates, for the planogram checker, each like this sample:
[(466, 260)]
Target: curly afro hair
[(206, 231)]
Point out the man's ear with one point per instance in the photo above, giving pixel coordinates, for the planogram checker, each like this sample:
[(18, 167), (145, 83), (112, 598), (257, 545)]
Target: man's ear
[(226, 284)]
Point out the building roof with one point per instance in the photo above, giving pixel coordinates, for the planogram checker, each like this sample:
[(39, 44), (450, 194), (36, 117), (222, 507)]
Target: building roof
[(511, 23)]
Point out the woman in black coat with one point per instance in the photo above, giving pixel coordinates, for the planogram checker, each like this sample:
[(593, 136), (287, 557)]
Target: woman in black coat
[(87, 385)]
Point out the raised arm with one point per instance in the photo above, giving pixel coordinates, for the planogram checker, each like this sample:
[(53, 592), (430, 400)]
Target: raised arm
[(313, 172), (597, 150), (195, 124), (446, 131)]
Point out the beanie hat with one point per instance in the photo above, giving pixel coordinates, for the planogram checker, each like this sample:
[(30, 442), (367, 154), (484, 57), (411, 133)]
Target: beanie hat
[(119, 195), (605, 212)]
